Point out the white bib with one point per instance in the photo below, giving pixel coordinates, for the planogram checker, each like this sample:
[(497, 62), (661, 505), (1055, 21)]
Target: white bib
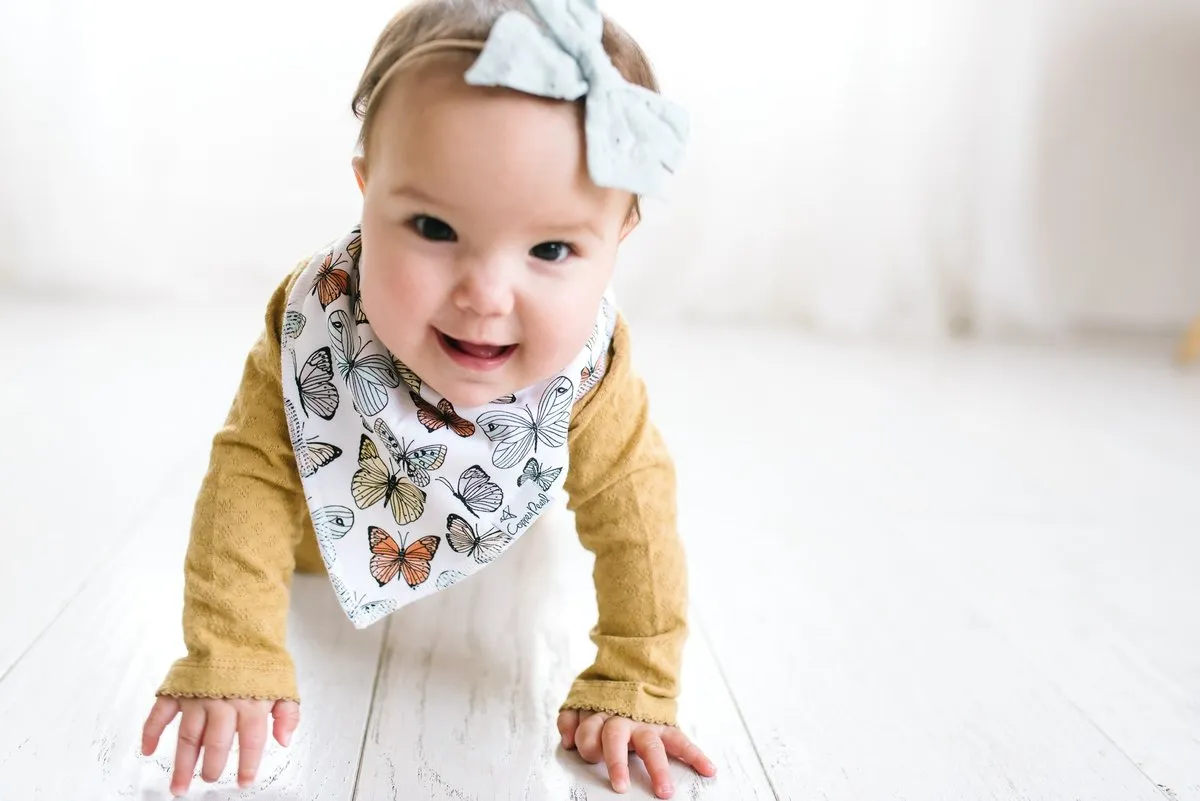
[(407, 494)]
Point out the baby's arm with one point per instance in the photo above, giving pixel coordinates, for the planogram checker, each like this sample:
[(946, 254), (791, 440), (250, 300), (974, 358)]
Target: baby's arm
[(621, 485), (237, 574), (245, 527)]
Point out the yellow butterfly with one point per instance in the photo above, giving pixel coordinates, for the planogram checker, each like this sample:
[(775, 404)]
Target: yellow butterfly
[(376, 480)]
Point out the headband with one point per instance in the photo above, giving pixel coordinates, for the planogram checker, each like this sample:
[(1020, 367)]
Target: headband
[(635, 137)]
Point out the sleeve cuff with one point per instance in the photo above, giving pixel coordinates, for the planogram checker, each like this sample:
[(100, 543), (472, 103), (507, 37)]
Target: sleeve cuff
[(231, 679), (627, 699)]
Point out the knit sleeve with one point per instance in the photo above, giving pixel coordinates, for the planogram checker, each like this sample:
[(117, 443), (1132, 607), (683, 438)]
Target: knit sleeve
[(621, 487), (246, 523)]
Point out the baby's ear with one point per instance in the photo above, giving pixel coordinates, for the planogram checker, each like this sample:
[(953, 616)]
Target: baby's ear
[(359, 163), (631, 220)]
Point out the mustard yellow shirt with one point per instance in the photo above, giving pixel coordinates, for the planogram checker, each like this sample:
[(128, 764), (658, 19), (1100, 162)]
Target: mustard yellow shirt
[(251, 530)]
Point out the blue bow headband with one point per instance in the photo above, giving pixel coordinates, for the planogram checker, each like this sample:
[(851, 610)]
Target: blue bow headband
[(635, 137)]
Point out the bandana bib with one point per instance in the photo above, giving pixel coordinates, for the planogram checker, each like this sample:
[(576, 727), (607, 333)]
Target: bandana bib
[(408, 494)]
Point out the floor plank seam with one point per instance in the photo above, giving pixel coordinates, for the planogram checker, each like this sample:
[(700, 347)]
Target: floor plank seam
[(1022, 652), (702, 630), (384, 644), (160, 497)]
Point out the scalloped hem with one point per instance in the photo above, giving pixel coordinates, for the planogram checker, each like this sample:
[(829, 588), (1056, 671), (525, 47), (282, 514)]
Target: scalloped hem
[(224, 696), (619, 714)]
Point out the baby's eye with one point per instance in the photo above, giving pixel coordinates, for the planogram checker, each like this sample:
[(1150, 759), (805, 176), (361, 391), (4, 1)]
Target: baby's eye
[(433, 229), (551, 251)]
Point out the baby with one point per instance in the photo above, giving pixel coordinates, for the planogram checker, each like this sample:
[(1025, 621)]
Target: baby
[(434, 378)]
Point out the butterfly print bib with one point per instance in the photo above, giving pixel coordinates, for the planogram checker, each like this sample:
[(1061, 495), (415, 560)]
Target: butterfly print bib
[(408, 494)]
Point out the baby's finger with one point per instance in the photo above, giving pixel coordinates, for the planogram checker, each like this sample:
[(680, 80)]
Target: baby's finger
[(616, 751), (649, 746), (587, 737), (287, 718), (187, 749), (218, 739), (679, 746), (568, 722), (252, 738), (161, 714)]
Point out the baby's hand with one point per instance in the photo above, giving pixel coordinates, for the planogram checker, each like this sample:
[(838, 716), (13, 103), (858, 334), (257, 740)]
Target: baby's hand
[(211, 723), (602, 737)]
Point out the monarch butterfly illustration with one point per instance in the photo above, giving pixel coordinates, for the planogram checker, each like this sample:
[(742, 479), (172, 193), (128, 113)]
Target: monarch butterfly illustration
[(441, 416), (330, 282), (376, 481), (476, 491), (388, 559), (521, 433)]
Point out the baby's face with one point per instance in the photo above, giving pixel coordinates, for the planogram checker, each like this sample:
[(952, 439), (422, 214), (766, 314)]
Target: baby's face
[(486, 246)]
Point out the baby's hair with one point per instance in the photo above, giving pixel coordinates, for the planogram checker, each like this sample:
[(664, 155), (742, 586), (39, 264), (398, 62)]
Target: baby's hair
[(438, 25)]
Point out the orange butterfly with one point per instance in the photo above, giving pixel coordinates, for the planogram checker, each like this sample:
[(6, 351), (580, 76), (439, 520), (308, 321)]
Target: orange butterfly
[(441, 416), (331, 282), (389, 559)]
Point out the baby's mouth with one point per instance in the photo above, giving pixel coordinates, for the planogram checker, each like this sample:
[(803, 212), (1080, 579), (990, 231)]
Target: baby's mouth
[(478, 350)]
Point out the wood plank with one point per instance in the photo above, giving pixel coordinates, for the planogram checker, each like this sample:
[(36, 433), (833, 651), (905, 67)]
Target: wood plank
[(1112, 617), (472, 679), (73, 706), (1098, 587), (861, 672), (99, 411), (868, 677)]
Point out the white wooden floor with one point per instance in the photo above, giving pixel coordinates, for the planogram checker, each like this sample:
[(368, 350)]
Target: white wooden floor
[(940, 574)]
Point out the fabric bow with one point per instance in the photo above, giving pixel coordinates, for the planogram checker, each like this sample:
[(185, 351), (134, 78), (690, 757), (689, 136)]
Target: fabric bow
[(635, 137)]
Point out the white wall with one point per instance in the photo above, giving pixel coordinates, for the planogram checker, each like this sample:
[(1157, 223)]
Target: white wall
[(861, 166)]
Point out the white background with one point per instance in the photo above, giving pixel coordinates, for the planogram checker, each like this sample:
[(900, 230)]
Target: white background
[(861, 167)]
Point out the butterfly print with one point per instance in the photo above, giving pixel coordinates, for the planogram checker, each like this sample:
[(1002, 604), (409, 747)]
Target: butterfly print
[(311, 455), (354, 246), (375, 481), (330, 282), (293, 326), (331, 523), (389, 559), (346, 598), (314, 383), (354, 291), (476, 491), (464, 539), (369, 377), (372, 611), (591, 374), (410, 379), (521, 433), (417, 461), (441, 416), (505, 399), (533, 472), (507, 515), (448, 578)]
